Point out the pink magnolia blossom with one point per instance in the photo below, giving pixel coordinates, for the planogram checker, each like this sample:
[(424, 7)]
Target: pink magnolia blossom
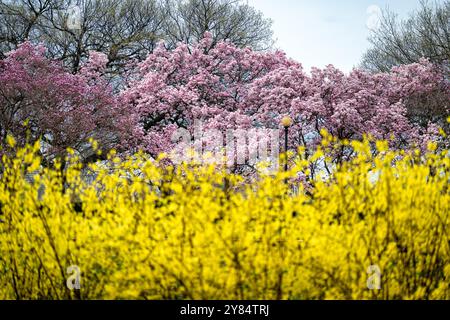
[(227, 87), (221, 86), (172, 89)]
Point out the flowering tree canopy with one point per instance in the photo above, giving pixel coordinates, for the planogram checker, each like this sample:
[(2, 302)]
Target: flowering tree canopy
[(223, 86), (229, 87), (172, 89), (39, 99)]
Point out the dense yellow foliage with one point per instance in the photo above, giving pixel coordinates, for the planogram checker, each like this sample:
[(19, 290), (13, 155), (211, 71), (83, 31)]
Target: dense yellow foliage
[(142, 230)]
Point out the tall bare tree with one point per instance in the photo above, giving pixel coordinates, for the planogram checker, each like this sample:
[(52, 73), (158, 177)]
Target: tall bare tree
[(425, 33), (19, 21), (233, 20)]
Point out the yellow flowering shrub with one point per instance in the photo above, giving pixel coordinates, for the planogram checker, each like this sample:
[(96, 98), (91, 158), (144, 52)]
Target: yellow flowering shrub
[(138, 229)]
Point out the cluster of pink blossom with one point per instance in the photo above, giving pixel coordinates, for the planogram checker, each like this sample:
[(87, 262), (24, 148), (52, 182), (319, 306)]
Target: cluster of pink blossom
[(172, 89), (227, 87), (39, 99), (224, 87)]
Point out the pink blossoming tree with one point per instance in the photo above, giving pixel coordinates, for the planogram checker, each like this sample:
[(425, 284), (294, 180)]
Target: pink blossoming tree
[(39, 99), (221, 86), (227, 87), (172, 89)]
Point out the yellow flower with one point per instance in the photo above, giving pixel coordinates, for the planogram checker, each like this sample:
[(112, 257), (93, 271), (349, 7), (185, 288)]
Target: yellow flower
[(139, 229), (10, 141)]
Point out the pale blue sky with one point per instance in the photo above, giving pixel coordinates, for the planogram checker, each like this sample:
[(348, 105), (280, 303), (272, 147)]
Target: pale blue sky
[(321, 32)]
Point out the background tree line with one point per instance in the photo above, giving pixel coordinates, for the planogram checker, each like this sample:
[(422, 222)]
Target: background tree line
[(127, 29), (425, 33)]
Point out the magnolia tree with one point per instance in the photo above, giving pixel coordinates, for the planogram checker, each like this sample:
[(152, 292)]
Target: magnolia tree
[(174, 90), (39, 99), (231, 88), (348, 106)]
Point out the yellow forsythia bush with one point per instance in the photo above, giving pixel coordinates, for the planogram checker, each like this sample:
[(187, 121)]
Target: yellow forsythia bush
[(138, 229)]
